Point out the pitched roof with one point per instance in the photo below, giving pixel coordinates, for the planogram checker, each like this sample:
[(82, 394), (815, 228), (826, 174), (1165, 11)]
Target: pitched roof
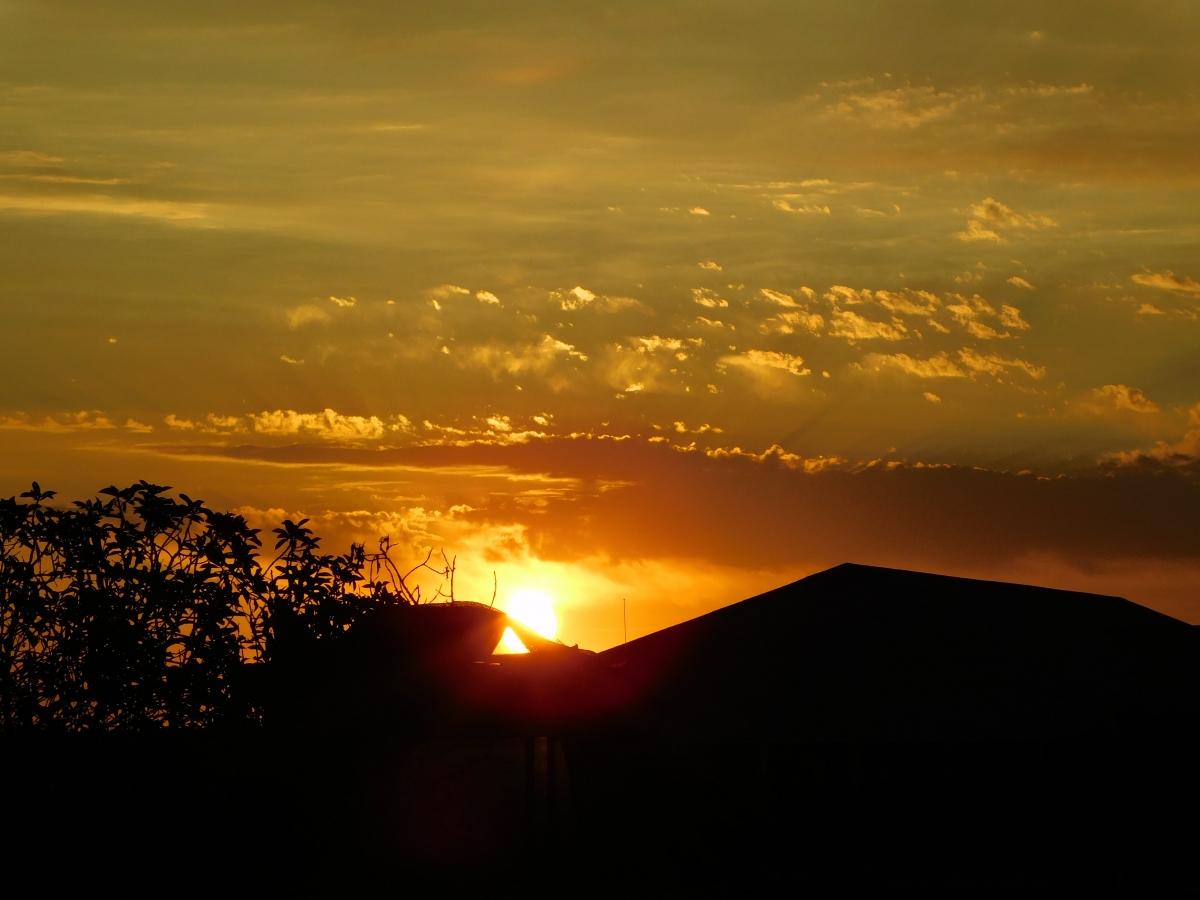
[(864, 653)]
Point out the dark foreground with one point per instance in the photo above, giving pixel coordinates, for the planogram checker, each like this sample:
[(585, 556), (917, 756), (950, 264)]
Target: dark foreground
[(863, 728)]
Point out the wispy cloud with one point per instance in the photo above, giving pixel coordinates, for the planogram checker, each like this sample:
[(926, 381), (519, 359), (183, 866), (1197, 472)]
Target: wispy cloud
[(102, 204), (1168, 281), (850, 325), (1121, 396), (940, 366), (767, 359), (84, 420)]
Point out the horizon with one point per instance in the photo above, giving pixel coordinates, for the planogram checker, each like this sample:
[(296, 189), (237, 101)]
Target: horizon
[(670, 306)]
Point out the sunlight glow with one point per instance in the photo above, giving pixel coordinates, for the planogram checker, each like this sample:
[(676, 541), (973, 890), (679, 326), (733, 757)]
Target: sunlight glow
[(534, 609), (509, 643)]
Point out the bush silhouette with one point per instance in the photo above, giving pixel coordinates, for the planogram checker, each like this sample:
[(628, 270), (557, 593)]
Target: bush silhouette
[(138, 611)]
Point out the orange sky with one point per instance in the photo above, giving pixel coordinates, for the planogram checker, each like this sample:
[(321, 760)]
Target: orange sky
[(673, 305)]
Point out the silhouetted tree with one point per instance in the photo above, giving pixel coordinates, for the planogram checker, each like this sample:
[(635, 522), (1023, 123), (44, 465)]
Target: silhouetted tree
[(135, 610)]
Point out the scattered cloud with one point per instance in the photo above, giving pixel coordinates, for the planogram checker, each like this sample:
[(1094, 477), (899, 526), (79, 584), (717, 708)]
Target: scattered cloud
[(777, 297), (708, 298), (709, 264), (940, 366), (328, 425), (698, 211), (446, 291), (1149, 309), (576, 298), (487, 297), (1020, 282), (932, 398), (1168, 280), (801, 208), (103, 204), (994, 364), (290, 361), (977, 232), (306, 314), (909, 302), (28, 158), (1010, 317), (897, 108), (343, 301), (84, 420), (1121, 396), (767, 359), (534, 359), (853, 327), (789, 322), (996, 214)]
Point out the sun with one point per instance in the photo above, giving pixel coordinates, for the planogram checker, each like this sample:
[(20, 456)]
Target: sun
[(534, 609)]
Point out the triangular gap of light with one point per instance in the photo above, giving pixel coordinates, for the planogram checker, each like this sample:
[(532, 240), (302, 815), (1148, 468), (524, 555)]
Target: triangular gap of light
[(509, 644)]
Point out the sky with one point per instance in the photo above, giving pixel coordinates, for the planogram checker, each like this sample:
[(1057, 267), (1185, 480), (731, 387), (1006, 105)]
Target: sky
[(667, 303)]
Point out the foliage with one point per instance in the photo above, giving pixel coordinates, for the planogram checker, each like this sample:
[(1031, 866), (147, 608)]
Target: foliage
[(135, 610)]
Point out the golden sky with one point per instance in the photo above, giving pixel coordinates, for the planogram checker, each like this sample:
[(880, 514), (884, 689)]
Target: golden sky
[(672, 302)]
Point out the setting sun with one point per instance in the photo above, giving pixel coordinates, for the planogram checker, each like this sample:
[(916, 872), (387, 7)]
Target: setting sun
[(534, 609)]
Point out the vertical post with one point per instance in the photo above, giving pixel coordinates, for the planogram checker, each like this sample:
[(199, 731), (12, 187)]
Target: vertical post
[(551, 791), (530, 796)]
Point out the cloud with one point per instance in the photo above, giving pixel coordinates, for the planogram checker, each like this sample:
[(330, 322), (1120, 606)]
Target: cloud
[(698, 211), (777, 297), (1149, 309), (81, 421), (932, 398), (897, 108), (708, 298), (654, 342), (709, 264), (1168, 281), (712, 323), (29, 158), (839, 293), (137, 427), (343, 302), (994, 365), (1184, 452), (536, 358), (1123, 397), (576, 298), (910, 302), (940, 366), (776, 454), (446, 291), (984, 332), (995, 213), (788, 322), (802, 208), (767, 359), (968, 311), (853, 327), (1010, 317), (608, 304), (1020, 282), (487, 297), (329, 425), (303, 315), (294, 362), (977, 232), (102, 204)]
